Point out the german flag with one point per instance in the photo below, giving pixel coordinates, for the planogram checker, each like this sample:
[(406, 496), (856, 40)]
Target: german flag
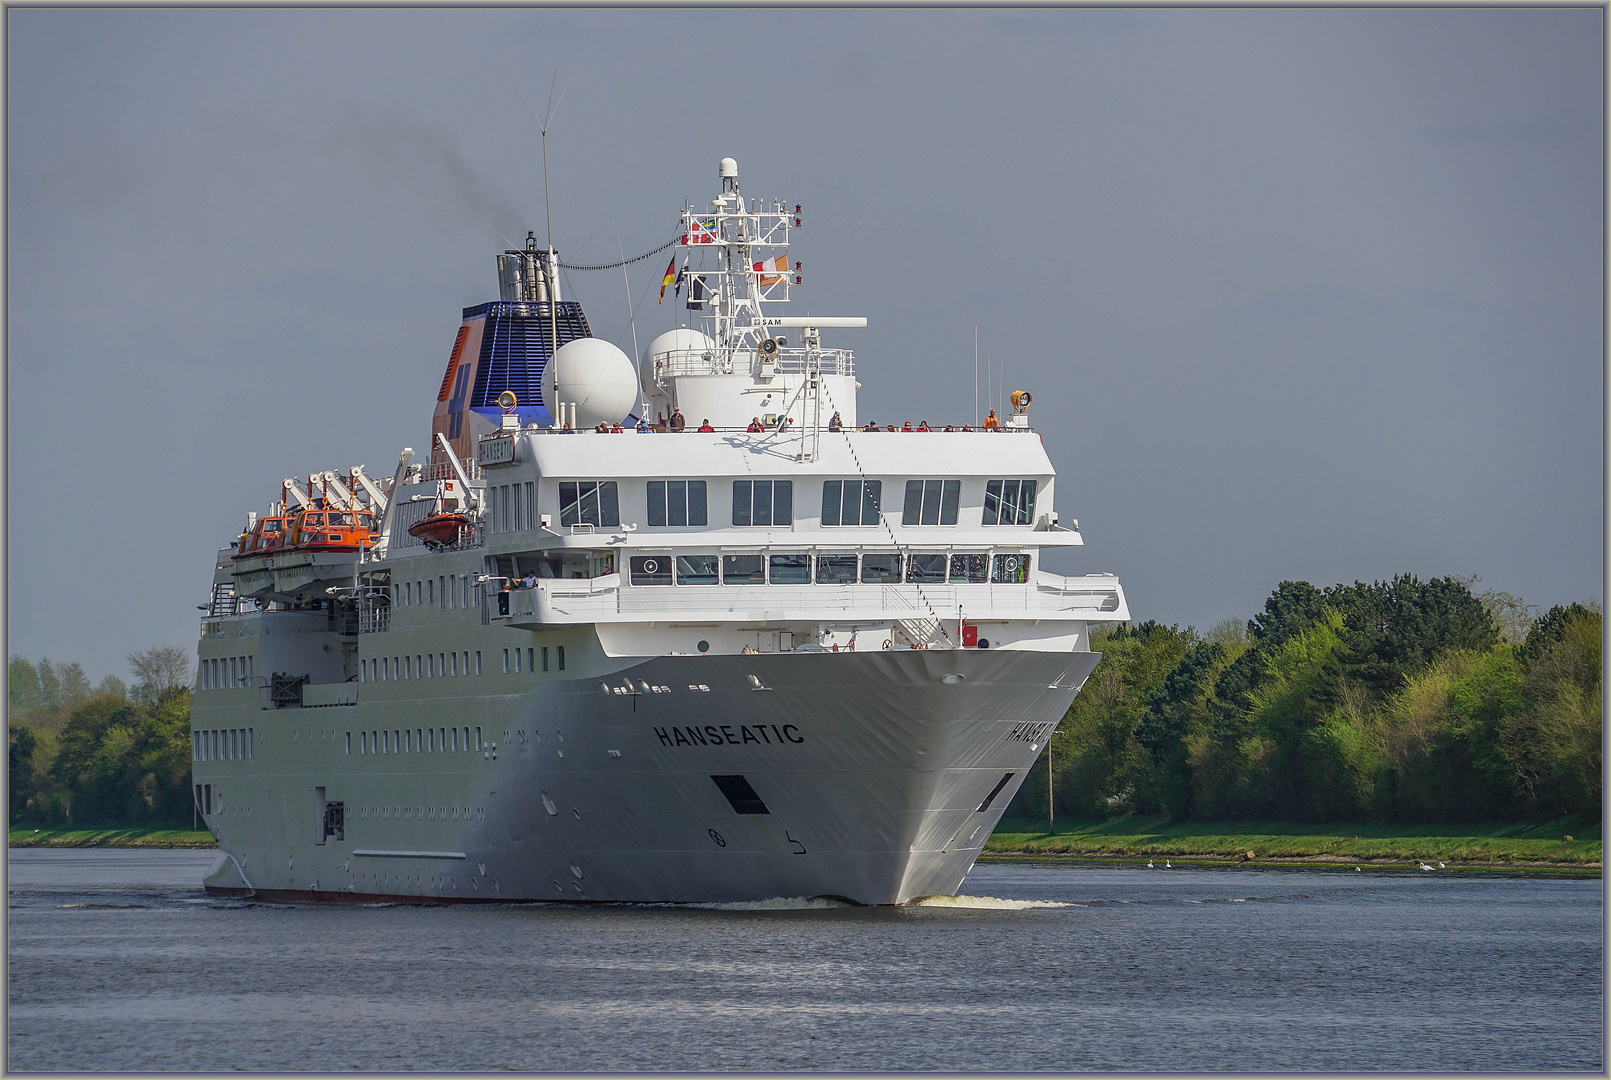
[(671, 275)]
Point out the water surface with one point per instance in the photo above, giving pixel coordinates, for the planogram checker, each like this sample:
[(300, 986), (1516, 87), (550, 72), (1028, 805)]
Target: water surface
[(119, 962)]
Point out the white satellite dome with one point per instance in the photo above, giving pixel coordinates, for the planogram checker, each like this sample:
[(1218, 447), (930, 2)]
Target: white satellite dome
[(594, 375), (672, 340)]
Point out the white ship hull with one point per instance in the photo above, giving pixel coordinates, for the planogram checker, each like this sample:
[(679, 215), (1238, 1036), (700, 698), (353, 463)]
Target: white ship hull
[(880, 783)]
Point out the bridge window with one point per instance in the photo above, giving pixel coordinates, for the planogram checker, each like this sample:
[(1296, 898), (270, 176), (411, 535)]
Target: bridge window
[(851, 502), (676, 503), (791, 569), (589, 502), (763, 502), (1009, 502), (650, 569), (969, 569), (697, 569), (1010, 569), (743, 569), (837, 568), (925, 569), (931, 502), (881, 569)]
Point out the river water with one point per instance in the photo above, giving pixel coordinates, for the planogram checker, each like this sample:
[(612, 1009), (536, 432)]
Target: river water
[(118, 961)]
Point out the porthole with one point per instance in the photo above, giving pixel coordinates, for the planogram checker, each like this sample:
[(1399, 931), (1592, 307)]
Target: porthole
[(704, 646)]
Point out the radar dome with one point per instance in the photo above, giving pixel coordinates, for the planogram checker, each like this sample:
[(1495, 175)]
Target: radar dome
[(595, 376), (681, 340), (728, 168)]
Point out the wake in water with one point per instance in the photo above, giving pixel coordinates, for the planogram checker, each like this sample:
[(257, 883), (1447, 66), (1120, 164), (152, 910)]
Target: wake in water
[(983, 903), (825, 903), (778, 903)]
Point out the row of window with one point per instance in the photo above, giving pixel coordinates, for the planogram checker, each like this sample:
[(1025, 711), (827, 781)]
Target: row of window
[(416, 741), (532, 656), (419, 666), (675, 503), (228, 671), (232, 744), (829, 568), (444, 591), (445, 665)]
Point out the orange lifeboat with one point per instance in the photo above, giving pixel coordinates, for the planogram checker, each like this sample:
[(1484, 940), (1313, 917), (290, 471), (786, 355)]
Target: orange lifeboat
[(439, 529), (332, 530), (268, 535)]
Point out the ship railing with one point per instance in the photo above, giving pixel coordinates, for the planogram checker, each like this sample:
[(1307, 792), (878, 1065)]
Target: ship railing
[(578, 600), (787, 361), (223, 601)]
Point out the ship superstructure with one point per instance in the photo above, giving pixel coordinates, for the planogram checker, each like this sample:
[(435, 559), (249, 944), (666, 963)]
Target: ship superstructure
[(780, 656)]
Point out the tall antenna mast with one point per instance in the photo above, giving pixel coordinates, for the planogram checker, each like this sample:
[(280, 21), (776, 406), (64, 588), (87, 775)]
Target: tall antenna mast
[(632, 318), (548, 215)]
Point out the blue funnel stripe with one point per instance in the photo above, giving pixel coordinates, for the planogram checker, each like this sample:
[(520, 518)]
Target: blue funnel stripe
[(515, 347)]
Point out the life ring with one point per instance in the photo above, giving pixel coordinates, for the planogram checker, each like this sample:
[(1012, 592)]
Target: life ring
[(886, 643)]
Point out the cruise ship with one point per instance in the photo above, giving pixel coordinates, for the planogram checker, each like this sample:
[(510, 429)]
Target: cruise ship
[(680, 631)]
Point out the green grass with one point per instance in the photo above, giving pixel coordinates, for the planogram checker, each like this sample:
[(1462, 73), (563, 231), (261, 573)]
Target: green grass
[(114, 834), (1155, 837)]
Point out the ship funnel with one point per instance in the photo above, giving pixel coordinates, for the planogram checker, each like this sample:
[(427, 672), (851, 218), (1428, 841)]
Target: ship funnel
[(523, 275)]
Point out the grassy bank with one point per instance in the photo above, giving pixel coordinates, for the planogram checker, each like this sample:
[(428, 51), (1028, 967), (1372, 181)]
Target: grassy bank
[(1457, 845), (115, 834)]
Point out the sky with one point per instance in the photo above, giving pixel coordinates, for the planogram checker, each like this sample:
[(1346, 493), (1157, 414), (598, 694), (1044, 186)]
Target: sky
[(1311, 294)]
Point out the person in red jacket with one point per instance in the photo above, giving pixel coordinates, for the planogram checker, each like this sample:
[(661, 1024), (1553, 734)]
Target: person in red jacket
[(704, 425), (755, 425)]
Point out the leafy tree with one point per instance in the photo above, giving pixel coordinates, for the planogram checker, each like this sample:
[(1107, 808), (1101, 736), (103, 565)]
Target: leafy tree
[(1173, 710), (50, 687), (21, 774), (1291, 609), (1396, 628), (164, 669), (75, 685), (1550, 628), (112, 686), (22, 684), (1512, 616), (1554, 742), (83, 764)]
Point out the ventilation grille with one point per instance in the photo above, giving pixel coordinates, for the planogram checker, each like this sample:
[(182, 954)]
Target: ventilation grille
[(516, 345)]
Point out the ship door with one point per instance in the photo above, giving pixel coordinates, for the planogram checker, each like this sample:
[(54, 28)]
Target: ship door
[(332, 818)]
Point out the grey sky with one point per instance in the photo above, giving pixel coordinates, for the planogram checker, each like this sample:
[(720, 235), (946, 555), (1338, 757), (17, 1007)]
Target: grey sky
[(1309, 293)]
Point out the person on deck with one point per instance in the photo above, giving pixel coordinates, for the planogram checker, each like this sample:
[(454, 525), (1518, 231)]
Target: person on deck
[(643, 425), (906, 425), (755, 425), (991, 423), (923, 425), (704, 425), (677, 422), (836, 424), (872, 425)]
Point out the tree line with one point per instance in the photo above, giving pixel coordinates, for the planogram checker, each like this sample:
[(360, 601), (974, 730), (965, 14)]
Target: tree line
[(112, 752), (1402, 700)]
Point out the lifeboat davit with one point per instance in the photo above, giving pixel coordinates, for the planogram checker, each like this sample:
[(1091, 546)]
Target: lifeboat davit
[(441, 528)]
